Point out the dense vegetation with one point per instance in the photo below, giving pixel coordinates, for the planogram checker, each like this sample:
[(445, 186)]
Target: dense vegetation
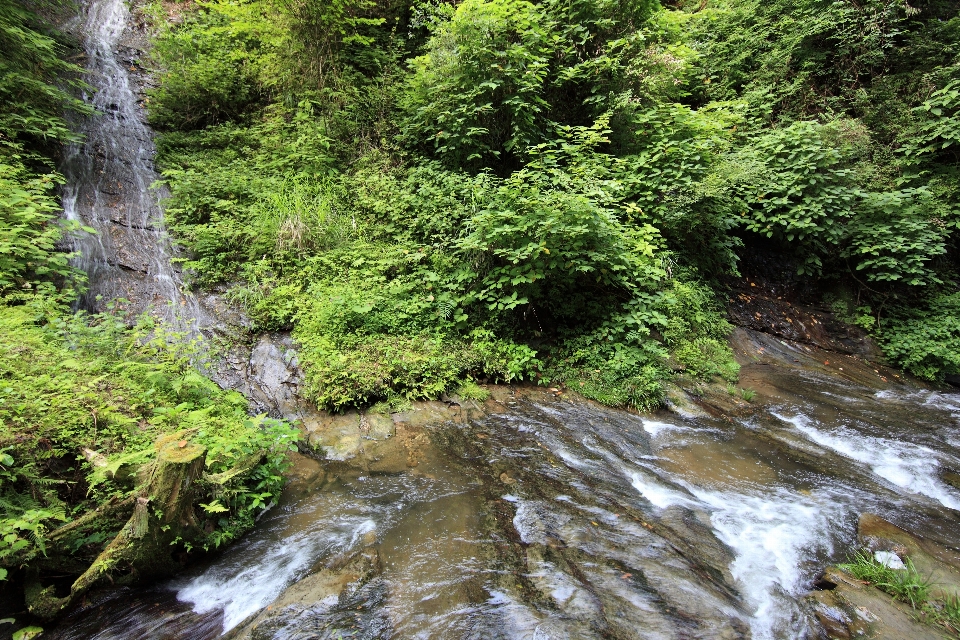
[(441, 192), (436, 193), (84, 399)]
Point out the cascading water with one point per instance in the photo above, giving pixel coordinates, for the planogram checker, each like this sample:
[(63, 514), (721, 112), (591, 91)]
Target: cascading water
[(551, 518), (109, 183)]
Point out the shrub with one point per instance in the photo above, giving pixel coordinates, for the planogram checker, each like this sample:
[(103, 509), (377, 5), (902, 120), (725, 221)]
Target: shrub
[(478, 90), (925, 340)]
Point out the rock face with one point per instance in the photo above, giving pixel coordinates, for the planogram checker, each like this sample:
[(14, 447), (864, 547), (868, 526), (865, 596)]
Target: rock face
[(847, 608), (273, 375)]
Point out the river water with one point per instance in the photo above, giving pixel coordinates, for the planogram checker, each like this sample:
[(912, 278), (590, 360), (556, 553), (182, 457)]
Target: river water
[(538, 515), (545, 516)]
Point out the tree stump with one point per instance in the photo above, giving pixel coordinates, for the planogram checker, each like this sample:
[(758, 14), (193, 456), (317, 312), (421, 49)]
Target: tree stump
[(163, 513)]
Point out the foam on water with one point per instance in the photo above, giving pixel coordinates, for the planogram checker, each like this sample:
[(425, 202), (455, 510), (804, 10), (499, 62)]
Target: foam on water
[(657, 493), (772, 536), (906, 465), (241, 589), (655, 428)]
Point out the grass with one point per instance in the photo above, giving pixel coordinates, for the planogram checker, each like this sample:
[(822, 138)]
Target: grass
[(906, 585), (909, 586), (470, 390), (746, 394)]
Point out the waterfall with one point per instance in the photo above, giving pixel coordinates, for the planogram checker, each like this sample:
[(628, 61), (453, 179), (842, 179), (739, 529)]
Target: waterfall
[(109, 184)]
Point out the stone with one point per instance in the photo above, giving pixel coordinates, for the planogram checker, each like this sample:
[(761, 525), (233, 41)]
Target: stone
[(938, 564), (379, 426), (847, 608), (338, 436), (889, 560)]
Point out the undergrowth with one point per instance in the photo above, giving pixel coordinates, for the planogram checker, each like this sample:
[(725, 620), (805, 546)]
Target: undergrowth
[(82, 400)]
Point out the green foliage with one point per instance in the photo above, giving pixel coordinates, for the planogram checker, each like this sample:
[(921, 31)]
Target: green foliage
[(669, 176), (938, 132), (29, 231), (470, 390), (500, 75), (549, 231), (570, 174), (326, 28), (36, 92), (244, 192), (799, 184), (36, 82), (906, 585), (223, 59), (69, 383), (800, 57), (696, 331), (477, 92), (925, 340)]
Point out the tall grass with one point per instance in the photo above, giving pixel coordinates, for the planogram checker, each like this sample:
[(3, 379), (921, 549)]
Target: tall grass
[(304, 216)]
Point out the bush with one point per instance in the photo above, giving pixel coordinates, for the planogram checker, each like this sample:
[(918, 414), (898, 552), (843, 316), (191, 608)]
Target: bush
[(549, 236), (478, 91), (219, 62), (925, 340)]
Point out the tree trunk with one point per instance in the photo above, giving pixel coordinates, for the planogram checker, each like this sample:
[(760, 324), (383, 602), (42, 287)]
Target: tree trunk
[(163, 514)]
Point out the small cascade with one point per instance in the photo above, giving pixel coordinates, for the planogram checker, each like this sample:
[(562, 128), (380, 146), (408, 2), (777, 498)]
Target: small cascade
[(543, 517), (109, 183)]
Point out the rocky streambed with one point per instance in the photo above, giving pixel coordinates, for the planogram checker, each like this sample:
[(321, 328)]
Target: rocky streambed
[(536, 514)]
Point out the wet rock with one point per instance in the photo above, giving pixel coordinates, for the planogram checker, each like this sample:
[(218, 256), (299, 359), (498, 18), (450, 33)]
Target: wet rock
[(376, 426), (570, 596), (316, 603), (426, 413), (337, 436), (304, 473), (678, 401), (847, 608), (941, 566), (952, 478)]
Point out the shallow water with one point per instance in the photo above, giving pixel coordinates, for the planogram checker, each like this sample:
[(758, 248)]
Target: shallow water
[(554, 518)]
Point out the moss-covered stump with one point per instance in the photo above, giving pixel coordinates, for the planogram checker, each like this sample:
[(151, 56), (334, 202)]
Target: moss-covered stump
[(162, 514)]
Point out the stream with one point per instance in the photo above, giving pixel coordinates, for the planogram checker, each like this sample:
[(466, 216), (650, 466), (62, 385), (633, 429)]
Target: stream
[(539, 515), (535, 514)]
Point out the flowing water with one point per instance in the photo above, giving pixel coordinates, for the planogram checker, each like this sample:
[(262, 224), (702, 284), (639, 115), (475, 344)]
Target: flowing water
[(544, 516), (110, 178), (539, 516)]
